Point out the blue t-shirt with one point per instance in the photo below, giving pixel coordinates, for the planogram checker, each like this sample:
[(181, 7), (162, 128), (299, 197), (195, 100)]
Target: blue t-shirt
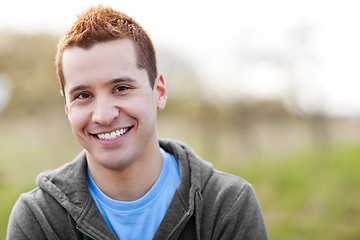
[(141, 218)]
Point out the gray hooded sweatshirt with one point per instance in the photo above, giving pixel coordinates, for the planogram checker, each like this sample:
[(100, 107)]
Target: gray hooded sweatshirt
[(208, 204)]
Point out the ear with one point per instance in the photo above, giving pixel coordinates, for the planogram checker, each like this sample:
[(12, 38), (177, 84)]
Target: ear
[(66, 107), (160, 90), (67, 111)]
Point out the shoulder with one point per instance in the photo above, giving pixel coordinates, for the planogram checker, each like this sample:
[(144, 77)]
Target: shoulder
[(36, 204), (227, 180), (26, 216), (37, 215), (28, 203), (230, 205), (229, 196), (24, 205), (226, 189)]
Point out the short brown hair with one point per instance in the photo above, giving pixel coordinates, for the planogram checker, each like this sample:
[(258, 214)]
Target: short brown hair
[(101, 24)]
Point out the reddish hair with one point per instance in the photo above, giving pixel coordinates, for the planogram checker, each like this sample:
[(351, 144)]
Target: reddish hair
[(101, 24)]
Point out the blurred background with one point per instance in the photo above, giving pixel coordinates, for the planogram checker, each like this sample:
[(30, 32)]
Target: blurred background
[(267, 90)]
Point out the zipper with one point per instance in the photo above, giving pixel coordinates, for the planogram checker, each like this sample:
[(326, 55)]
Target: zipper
[(182, 221), (83, 232)]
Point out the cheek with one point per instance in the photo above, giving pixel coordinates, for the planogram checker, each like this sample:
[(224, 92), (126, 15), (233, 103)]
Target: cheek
[(142, 108), (77, 118)]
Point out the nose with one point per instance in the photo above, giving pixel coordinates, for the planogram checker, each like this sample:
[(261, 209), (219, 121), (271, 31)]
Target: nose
[(104, 111)]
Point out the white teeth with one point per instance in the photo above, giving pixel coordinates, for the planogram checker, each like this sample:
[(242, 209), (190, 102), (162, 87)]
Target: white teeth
[(112, 135)]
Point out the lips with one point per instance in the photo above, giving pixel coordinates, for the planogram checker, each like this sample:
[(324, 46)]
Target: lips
[(112, 135)]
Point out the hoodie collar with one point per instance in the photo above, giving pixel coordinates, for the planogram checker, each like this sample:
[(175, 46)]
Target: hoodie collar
[(195, 173), (69, 186)]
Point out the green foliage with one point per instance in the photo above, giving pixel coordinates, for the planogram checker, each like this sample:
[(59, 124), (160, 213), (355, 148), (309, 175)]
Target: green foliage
[(28, 60)]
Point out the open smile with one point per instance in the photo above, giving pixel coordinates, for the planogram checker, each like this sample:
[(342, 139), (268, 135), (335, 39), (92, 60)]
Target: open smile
[(113, 135)]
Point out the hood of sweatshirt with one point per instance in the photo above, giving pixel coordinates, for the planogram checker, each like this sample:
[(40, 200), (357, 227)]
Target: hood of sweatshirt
[(69, 186)]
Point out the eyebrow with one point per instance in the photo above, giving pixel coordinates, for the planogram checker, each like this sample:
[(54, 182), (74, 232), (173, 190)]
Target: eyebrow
[(78, 88), (121, 80), (111, 82)]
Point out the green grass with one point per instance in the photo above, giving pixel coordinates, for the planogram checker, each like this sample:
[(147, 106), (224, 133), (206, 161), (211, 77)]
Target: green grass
[(311, 194)]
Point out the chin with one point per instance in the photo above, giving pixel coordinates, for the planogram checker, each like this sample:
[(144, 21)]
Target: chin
[(112, 161)]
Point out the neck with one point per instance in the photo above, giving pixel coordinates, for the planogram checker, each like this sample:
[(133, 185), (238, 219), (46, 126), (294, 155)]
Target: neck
[(132, 182)]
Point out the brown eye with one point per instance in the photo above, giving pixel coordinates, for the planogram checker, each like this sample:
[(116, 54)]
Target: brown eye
[(121, 88), (83, 95)]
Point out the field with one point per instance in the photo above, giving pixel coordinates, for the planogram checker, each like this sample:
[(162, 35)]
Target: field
[(308, 192)]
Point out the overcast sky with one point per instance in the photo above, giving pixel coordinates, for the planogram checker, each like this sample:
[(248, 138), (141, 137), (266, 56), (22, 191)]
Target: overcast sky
[(246, 44)]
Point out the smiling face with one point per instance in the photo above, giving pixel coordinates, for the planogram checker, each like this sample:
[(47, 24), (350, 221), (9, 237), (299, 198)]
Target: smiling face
[(111, 105)]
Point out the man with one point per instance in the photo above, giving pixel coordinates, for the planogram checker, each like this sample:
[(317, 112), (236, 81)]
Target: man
[(127, 184)]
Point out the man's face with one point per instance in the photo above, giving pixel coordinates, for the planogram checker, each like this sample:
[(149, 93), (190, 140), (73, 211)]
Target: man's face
[(110, 103)]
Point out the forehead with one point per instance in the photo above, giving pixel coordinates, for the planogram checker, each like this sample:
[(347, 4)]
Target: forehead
[(103, 61), (120, 50)]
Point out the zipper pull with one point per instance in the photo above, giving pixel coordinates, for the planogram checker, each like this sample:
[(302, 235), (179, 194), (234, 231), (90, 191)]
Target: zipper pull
[(182, 221)]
